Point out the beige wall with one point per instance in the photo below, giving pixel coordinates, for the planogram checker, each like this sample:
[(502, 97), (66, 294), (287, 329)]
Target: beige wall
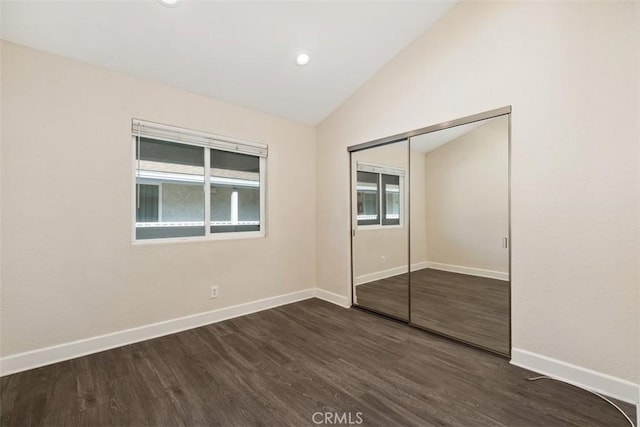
[(467, 199), (371, 243), (69, 268), (570, 70)]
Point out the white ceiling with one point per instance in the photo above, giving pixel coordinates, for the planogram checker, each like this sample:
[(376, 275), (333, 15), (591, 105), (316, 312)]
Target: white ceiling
[(240, 52)]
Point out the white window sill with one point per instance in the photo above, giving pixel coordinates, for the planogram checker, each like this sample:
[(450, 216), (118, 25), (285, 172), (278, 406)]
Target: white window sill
[(210, 238)]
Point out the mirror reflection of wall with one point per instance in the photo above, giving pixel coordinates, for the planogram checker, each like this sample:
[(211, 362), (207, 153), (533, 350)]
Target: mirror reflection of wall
[(380, 241), (459, 233)]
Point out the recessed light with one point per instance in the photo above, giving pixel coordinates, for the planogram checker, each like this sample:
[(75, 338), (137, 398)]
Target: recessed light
[(170, 3), (303, 58)]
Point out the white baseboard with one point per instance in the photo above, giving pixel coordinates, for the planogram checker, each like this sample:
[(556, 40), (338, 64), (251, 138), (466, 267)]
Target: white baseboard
[(58, 353), (604, 384), (491, 274), (378, 275), (331, 297), (419, 265)]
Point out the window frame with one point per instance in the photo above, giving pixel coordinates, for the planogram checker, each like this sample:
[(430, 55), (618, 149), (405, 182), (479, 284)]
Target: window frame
[(206, 187)]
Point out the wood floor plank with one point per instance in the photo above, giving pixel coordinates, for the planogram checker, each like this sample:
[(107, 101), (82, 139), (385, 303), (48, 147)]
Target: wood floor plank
[(280, 366)]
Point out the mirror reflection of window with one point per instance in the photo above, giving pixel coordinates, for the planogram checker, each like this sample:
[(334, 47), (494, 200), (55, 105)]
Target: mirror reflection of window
[(391, 194), (368, 196), (378, 199)]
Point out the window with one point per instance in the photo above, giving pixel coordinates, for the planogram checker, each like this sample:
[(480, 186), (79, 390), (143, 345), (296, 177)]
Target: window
[(379, 190), (235, 192), (194, 185)]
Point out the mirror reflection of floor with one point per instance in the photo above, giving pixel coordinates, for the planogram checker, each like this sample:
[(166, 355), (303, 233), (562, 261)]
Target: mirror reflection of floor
[(471, 308), (389, 296)]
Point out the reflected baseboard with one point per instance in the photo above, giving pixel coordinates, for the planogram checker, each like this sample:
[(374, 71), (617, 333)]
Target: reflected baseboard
[(419, 265), (384, 274), (471, 271), (378, 275)]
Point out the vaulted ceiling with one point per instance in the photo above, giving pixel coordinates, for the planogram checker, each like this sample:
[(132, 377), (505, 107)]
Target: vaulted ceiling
[(239, 52)]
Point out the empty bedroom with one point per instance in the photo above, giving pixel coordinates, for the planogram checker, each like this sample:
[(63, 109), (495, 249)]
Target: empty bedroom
[(316, 213)]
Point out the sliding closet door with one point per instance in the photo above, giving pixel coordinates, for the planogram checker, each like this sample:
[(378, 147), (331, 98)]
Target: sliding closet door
[(460, 268), (380, 243)]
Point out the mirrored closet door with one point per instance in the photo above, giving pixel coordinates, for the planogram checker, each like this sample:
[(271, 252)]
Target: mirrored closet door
[(430, 229), (380, 236), (459, 226)]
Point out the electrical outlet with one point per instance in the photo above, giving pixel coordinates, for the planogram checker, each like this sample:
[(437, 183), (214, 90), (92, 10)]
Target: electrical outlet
[(214, 292), (383, 259)]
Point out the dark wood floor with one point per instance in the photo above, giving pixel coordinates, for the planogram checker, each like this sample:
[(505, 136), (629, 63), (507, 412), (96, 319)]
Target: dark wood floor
[(279, 367), (471, 308), (389, 296)]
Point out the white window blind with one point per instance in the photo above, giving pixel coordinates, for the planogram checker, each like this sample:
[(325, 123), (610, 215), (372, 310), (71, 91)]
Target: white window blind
[(144, 129), (382, 169)]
